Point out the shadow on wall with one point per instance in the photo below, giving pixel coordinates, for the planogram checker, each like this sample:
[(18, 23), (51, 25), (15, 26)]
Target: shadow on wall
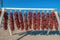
[(37, 33)]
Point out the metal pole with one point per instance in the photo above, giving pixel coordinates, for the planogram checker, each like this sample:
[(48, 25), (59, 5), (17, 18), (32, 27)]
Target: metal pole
[(1, 16), (56, 13), (9, 28)]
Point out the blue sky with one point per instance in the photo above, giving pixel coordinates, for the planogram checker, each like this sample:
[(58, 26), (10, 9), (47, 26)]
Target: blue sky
[(32, 3)]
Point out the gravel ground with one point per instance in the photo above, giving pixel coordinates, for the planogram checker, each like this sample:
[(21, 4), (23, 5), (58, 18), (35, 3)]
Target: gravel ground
[(4, 35)]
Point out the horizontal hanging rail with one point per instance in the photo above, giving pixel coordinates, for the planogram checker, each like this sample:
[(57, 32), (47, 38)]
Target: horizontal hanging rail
[(31, 8)]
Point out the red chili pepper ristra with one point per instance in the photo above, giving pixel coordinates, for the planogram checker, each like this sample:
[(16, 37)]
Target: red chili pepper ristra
[(38, 20), (47, 20), (25, 21), (11, 22), (51, 21), (43, 21), (55, 21), (56, 25), (29, 19), (5, 20), (34, 21), (21, 21), (16, 20)]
